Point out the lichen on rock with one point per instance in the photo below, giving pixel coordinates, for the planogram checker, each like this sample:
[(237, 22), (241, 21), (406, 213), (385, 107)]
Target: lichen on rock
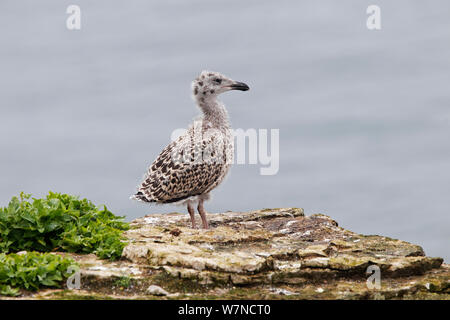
[(264, 254)]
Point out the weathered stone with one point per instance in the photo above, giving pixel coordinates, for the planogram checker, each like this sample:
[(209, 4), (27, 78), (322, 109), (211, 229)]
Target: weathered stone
[(156, 291), (267, 254)]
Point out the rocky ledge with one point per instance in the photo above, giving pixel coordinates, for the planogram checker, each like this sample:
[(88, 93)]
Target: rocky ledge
[(265, 254)]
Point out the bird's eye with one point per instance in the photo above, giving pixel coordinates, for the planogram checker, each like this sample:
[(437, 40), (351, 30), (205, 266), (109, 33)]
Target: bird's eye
[(217, 80)]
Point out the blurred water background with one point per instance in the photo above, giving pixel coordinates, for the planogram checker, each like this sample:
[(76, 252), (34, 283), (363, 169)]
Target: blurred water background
[(364, 116)]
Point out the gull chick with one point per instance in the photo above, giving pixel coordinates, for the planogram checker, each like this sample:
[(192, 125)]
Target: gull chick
[(188, 169)]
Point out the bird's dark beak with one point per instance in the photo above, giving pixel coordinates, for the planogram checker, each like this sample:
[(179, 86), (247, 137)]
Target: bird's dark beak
[(239, 86)]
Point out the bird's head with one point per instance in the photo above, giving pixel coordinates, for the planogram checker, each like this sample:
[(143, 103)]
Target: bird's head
[(210, 84)]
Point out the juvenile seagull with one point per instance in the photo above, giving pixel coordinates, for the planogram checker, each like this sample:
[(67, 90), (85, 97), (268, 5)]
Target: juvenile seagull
[(198, 161)]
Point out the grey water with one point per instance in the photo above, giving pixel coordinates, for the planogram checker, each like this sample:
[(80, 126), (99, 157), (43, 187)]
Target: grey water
[(364, 116)]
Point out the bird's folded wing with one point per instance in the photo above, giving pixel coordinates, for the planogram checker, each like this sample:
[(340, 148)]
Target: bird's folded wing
[(186, 167)]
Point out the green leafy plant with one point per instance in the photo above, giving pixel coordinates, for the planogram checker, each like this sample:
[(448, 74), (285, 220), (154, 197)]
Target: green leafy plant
[(124, 282), (31, 270), (60, 222)]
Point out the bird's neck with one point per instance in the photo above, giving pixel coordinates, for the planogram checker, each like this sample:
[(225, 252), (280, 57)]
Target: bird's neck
[(214, 112)]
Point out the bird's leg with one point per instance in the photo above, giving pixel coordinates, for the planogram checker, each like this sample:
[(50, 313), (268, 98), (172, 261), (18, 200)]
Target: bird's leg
[(192, 214), (202, 212)]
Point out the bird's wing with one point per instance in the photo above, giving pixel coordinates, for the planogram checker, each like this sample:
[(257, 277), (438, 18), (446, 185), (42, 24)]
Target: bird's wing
[(189, 166)]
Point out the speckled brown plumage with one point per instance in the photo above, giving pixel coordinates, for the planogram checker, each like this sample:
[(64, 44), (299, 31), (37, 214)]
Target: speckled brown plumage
[(198, 161)]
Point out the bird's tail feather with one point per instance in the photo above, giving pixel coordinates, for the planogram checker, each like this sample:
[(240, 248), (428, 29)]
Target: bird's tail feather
[(139, 196)]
